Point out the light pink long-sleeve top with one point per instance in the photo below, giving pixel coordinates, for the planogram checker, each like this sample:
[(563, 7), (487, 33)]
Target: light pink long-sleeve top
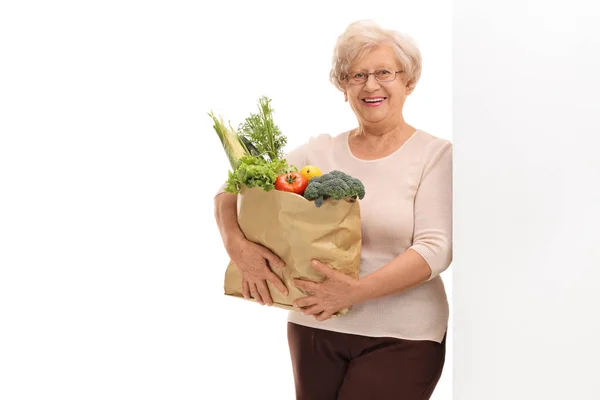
[(408, 204)]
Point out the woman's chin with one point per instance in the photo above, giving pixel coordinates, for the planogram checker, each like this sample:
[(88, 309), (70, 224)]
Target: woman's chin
[(373, 119)]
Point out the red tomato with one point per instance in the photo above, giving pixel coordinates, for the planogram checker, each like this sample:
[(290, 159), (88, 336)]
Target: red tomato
[(291, 182)]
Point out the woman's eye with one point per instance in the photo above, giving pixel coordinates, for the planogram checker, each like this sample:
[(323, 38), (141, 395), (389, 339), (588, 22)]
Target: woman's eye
[(383, 72), (358, 75)]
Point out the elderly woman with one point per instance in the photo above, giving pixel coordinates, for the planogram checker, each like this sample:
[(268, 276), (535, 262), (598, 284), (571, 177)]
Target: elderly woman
[(391, 345)]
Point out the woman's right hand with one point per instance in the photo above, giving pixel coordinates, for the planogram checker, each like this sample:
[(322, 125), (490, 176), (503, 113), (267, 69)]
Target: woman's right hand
[(254, 262)]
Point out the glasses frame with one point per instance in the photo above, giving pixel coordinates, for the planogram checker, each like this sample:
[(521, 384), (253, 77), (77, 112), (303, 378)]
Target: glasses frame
[(347, 77)]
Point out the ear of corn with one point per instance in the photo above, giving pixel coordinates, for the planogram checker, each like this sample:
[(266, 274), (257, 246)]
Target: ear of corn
[(231, 141)]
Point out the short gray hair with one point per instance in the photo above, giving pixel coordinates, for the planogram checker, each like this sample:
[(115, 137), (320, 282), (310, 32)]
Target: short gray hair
[(364, 35)]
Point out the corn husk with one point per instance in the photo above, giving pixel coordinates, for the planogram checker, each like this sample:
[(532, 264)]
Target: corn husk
[(232, 143)]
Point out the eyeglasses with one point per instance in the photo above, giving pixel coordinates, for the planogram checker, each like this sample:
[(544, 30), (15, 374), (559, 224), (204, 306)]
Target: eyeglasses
[(381, 75)]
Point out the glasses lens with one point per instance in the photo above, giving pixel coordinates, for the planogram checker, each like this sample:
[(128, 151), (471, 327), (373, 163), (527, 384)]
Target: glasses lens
[(384, 75), (357, 77)]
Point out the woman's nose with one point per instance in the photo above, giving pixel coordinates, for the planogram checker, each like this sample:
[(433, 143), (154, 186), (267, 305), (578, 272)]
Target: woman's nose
[(371, 83)]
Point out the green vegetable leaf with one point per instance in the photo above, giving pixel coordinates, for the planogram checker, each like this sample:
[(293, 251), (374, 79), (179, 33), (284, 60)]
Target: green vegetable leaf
[(255, 172), (260, 130)]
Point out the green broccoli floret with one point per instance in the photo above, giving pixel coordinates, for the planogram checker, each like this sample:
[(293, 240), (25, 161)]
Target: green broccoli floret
[(335, 184), (356, 187), (313, 191), (334, 187)]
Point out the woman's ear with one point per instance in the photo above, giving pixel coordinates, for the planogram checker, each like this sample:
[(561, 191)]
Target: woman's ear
[(409, 87)]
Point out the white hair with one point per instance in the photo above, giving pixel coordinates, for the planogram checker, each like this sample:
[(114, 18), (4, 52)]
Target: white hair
[(364, 35)]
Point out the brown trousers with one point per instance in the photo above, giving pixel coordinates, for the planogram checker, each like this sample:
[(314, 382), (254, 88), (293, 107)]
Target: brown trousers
[(336, 366)]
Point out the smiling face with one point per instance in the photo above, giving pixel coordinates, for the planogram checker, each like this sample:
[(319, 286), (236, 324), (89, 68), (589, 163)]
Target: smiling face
[(377, 104)]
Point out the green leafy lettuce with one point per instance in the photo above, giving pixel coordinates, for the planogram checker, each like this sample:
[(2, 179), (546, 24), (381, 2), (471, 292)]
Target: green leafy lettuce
[(256, 172)]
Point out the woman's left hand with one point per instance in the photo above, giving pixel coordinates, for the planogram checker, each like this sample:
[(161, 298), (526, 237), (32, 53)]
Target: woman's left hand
[(338, 291)]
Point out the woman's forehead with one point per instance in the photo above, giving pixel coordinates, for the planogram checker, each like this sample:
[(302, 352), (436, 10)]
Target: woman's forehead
[(378, 57)]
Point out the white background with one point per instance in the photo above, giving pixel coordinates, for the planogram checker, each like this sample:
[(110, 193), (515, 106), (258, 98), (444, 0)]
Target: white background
[(112, 267), (527, 210)]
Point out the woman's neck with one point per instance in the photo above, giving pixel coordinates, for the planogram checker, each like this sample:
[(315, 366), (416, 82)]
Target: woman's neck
[(369, 144), (377, 134)]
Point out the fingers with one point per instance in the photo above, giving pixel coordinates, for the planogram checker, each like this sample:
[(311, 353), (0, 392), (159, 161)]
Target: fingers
[(272, 259), (306, 285), (309, 306), (322, 268), (305, 301), (323, 316), (263, 290), (275, 281), (245, 289), (313, 310), (255, 293), (259, 291)]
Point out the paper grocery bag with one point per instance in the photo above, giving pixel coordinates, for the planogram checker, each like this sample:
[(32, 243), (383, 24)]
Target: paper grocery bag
[(298, 231)]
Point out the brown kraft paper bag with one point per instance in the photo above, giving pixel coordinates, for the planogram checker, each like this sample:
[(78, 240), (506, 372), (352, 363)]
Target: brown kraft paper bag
[(298, 231)]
